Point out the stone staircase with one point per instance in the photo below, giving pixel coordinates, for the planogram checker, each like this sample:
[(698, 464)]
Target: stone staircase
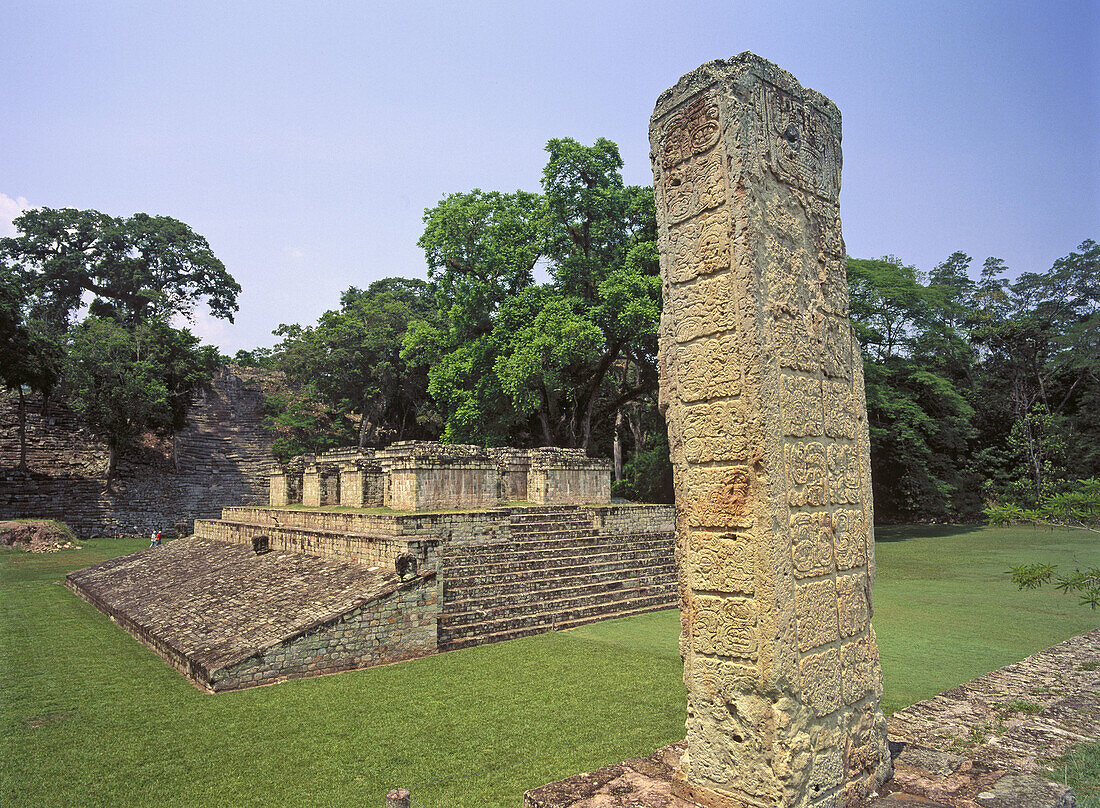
[(556, 571)]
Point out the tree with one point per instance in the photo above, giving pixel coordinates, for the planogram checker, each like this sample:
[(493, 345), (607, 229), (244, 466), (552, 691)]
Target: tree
[(351, 359), (126, 381), (134, 269), (1077, 508), (519, 363), (917, 411), (29, 357)]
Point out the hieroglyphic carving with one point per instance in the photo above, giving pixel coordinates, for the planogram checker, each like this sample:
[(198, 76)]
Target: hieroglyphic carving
[(724, 626), (850, 532), (701, 308), (840, 409), (795, 344), (845, 485), (801, 404), (706, 368), (820, 680), (691, 130), (714, 431), (816, 610), (853, 604), (720, 497), (812, 543), (722, 562), (806, 474), (762, 389), (700, 246), (802, 143), (836, 348)]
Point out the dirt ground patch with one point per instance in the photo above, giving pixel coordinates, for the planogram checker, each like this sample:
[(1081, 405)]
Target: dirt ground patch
[(37, 535)]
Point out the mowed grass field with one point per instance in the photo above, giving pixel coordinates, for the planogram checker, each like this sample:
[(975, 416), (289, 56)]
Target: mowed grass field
[(89, 717)]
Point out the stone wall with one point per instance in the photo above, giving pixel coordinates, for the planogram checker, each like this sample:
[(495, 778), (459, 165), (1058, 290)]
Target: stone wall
[(224, 456), (568, 481), (423, 475), (397, 627)]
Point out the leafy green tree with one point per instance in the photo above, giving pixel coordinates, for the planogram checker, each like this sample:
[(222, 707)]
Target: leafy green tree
[(134, 269), (520, 363), (919, 417), (30, 358), (1078, 508), (351, 359), (125, 381)]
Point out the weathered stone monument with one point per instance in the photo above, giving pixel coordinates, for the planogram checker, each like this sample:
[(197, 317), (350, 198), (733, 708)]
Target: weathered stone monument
[(762, 389)]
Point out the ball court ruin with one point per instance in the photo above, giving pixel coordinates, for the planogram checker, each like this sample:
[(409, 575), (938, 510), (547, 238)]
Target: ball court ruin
[(364, 557)]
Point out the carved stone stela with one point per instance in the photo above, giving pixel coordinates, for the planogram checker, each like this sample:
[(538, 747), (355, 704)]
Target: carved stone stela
[(762, 388)]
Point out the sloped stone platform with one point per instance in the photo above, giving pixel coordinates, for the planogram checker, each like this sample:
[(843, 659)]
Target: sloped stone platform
[(227, 617)]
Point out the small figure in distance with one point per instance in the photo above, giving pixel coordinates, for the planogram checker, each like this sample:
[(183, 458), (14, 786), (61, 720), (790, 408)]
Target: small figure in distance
[(158, 539), (152, 539)]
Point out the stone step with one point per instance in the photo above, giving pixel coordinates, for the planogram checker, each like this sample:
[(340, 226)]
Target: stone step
[(536, 576), (506, 557), (533, 605), (541, 518), (550, 528), (564, 619)]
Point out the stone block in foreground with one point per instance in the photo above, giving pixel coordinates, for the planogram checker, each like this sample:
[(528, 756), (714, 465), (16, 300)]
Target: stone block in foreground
[(762, 389)]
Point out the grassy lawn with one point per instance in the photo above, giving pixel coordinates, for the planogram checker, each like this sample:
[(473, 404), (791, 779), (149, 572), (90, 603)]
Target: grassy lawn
[(90, 717)]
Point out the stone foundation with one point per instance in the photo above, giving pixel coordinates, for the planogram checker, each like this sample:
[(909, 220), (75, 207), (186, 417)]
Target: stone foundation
[(330, 590), (224, 456), (227, 616)]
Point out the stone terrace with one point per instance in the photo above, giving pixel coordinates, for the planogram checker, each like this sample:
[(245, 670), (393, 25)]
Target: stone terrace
[(226, 616), (269, 593)]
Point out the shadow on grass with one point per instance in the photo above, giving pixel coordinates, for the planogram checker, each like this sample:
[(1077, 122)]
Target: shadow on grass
[(885, 533)]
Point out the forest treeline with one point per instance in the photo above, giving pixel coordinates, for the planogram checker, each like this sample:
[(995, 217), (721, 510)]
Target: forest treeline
[(537, 325), (979, 388)]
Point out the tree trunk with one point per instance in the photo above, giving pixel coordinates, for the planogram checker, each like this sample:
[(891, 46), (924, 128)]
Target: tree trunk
[(175, 452), (112, 464), (363, 423), (22, 430), (617, 447)]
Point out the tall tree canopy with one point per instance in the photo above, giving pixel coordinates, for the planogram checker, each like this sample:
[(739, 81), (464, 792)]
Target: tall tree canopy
[(978, 390), (515, 362), (85, 305), (132, 269)]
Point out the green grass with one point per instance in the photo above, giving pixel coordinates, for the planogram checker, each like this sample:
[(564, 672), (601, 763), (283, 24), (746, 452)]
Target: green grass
[(1080, 769), (89, 717)]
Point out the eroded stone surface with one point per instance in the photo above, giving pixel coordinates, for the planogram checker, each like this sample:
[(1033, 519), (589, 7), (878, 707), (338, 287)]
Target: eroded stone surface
[(228, 617), (1018, 717), (762, 390)]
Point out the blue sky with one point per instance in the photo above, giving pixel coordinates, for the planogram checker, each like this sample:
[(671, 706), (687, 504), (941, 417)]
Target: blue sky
[(305, 140)]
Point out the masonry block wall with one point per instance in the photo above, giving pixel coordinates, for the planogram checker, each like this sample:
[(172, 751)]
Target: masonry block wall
[(224, 456), (397, 627)]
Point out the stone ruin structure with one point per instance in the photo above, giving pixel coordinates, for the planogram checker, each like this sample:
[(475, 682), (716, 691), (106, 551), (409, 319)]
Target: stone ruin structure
[(439, 553), (416, 475), (762, 389)]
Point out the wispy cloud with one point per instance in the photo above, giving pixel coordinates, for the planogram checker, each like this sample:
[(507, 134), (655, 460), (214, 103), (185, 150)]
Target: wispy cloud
[(9, 209), (293, 253)]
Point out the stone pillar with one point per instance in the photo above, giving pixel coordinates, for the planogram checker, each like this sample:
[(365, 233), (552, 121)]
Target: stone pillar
[(278, 493), (351, 485), (762, 389), (311, 486)]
